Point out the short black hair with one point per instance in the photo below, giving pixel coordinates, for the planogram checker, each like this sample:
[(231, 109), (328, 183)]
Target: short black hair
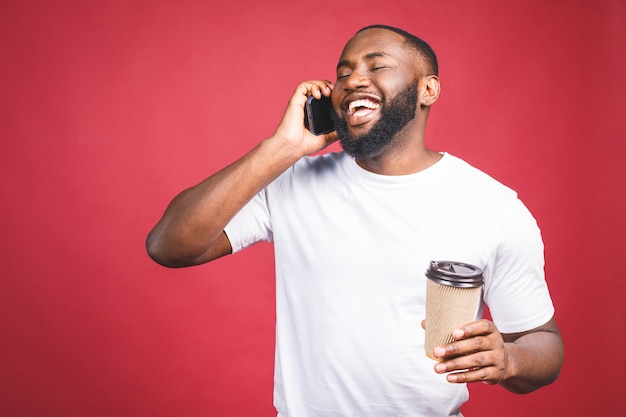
[(419, 45)]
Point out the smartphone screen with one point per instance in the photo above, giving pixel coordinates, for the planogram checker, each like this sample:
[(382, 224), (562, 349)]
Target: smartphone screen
[(317, 115)]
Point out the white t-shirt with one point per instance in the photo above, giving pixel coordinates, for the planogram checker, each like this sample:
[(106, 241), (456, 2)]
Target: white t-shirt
[(351, 250)]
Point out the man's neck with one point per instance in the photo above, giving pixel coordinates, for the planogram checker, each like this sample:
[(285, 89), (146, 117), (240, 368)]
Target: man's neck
[(403, 157)]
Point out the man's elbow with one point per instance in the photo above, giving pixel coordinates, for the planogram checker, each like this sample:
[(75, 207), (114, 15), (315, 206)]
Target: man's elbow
[(157, 252), (174, 255)]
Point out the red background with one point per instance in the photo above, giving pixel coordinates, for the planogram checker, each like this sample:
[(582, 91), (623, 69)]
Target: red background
[(110, 108)]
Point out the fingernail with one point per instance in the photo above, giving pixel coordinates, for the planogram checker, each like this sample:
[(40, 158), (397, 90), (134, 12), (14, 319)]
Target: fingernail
[(457, 333), (440, 367), (439, 352)]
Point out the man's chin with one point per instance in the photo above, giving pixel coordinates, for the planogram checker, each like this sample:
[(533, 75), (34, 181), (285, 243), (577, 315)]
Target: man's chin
[(356, 132), (351, 136), (354, 147)]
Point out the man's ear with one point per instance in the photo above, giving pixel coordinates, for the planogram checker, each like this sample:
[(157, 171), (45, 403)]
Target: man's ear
[(429, 90)]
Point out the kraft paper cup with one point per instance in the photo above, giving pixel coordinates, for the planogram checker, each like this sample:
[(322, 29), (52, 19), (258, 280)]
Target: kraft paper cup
[(453, 292)]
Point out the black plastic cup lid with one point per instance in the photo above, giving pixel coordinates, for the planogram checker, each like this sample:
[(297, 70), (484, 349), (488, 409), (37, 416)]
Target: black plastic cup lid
[(455, 274)]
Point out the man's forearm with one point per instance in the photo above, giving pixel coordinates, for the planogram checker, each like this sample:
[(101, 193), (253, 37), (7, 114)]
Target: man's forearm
[(534, 360)]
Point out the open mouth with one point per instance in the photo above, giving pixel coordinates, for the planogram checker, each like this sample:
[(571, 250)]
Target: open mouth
[(361, 111), (362, 107)]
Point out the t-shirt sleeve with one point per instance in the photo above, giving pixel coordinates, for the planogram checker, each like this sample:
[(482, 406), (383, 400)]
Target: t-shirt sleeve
[(251, 224), (516, 290)]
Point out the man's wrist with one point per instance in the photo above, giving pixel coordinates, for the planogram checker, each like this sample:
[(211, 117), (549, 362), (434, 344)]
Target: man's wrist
[(283, 149)]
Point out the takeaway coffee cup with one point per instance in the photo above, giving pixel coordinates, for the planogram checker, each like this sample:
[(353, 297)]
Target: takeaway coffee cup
[(453, 291)]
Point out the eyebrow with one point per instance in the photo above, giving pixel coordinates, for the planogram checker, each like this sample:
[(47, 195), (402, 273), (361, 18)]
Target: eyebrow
[(367, 57)]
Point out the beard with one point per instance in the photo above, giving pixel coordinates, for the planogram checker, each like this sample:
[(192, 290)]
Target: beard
[(393, 118)]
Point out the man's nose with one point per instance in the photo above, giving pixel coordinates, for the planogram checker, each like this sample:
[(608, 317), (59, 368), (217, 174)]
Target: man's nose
[(356, 80)]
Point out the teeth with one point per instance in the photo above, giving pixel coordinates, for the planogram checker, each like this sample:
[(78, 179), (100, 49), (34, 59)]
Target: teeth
[(362, 103)]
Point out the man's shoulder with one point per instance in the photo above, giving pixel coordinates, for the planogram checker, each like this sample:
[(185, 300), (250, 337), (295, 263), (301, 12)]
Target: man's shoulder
[(328, 158), (327, 162), (468, 177)]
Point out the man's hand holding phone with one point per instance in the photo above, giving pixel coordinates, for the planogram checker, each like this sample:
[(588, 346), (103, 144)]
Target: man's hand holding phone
[(292, 128)]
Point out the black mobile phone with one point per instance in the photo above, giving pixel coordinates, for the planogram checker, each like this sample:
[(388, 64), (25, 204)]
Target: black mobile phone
[(317, 115)]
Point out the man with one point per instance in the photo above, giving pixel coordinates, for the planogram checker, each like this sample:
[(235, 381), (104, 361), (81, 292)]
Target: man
[(354, 232)]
